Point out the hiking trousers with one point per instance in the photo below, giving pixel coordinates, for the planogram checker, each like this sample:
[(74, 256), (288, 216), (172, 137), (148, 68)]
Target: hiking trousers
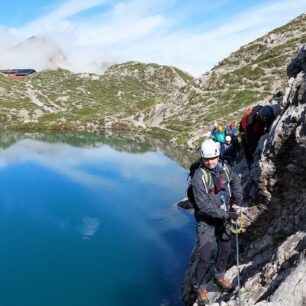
[(207, 236)]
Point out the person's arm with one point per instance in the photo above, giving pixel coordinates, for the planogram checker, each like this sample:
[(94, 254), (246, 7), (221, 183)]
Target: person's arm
[(204, 200), (236, 188), (213, 135), (222, 150)]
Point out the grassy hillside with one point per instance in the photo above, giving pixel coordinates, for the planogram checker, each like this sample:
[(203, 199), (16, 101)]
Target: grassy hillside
[(59, 99), (249, 75), (153, 98)]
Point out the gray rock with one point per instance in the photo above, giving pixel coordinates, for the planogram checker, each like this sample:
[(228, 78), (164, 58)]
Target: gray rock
[(298, 64), (273, 245)]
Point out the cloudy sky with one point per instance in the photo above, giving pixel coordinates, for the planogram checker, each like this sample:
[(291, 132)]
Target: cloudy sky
[(191, 35)]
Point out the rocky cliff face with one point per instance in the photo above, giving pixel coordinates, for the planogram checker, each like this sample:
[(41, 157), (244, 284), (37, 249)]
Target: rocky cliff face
[(273, 246)]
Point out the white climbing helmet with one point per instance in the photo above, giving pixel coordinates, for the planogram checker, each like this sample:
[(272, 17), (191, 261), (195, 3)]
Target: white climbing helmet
[(228, 138), (209, 149)]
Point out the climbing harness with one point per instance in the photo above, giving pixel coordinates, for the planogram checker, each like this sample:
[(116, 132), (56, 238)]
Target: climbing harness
[(237, 226)]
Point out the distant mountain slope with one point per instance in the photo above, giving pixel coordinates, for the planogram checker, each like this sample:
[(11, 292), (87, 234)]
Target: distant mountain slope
[(59, 99), (42, 52), (153, 98), (251, 74), (35, 52)]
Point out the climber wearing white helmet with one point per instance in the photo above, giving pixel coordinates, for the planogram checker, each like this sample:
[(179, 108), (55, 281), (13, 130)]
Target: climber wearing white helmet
[(228, 139), (209, 149), (215, 188)]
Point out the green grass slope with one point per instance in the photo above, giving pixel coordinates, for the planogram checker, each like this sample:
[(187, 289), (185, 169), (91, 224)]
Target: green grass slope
[(153, 98), (249, 75), (59, 99)]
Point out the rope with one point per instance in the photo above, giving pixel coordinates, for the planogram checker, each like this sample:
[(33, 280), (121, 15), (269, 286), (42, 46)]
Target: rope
[(238, 271)]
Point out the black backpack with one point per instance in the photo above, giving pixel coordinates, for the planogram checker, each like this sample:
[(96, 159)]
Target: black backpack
[(189, 191)]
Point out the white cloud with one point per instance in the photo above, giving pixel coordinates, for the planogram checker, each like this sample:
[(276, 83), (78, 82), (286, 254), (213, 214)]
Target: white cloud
[(145, 31), (89, 227), (58, 18), (67, 160)]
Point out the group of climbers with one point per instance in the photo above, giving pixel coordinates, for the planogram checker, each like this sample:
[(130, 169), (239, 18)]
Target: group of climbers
[(215, 193), (255, 123), (219, 134), (228, 141)]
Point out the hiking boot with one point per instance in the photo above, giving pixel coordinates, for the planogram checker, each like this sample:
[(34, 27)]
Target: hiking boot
[(223, 283), (202, 297)]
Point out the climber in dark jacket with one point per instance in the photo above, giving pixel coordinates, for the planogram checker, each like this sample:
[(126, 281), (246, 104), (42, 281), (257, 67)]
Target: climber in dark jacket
[(215, 189), (255, 123), (229, 152)]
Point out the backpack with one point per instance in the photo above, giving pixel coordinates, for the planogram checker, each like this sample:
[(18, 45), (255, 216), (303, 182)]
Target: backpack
[(249, 117), (206, 178)]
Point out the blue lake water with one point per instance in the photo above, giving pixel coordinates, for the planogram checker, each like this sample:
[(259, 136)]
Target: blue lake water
[(92, 224)]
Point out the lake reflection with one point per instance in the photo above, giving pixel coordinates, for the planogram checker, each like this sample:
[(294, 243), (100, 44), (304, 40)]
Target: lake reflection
[(90, 222)]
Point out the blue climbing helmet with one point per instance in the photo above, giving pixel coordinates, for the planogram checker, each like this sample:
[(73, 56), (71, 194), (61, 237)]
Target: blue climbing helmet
[(266, 114)]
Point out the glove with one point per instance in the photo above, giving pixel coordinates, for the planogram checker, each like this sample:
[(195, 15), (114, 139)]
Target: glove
[(235, 207), (234, 202), (232, 215)]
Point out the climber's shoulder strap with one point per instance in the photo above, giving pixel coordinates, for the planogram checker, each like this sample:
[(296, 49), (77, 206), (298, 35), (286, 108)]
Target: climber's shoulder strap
[(207, 179), (229, 177), (227, 172)]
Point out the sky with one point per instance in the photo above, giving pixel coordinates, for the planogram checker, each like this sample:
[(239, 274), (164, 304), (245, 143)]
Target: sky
[(191, 35)]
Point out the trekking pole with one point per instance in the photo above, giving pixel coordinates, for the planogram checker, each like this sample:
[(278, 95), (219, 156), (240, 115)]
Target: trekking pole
[(238, 271)]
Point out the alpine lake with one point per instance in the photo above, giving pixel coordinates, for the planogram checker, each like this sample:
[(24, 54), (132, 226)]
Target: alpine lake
[(91, 220)]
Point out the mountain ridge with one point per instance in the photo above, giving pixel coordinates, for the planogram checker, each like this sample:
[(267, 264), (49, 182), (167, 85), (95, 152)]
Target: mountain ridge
[(249, 75), (152, 98)]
